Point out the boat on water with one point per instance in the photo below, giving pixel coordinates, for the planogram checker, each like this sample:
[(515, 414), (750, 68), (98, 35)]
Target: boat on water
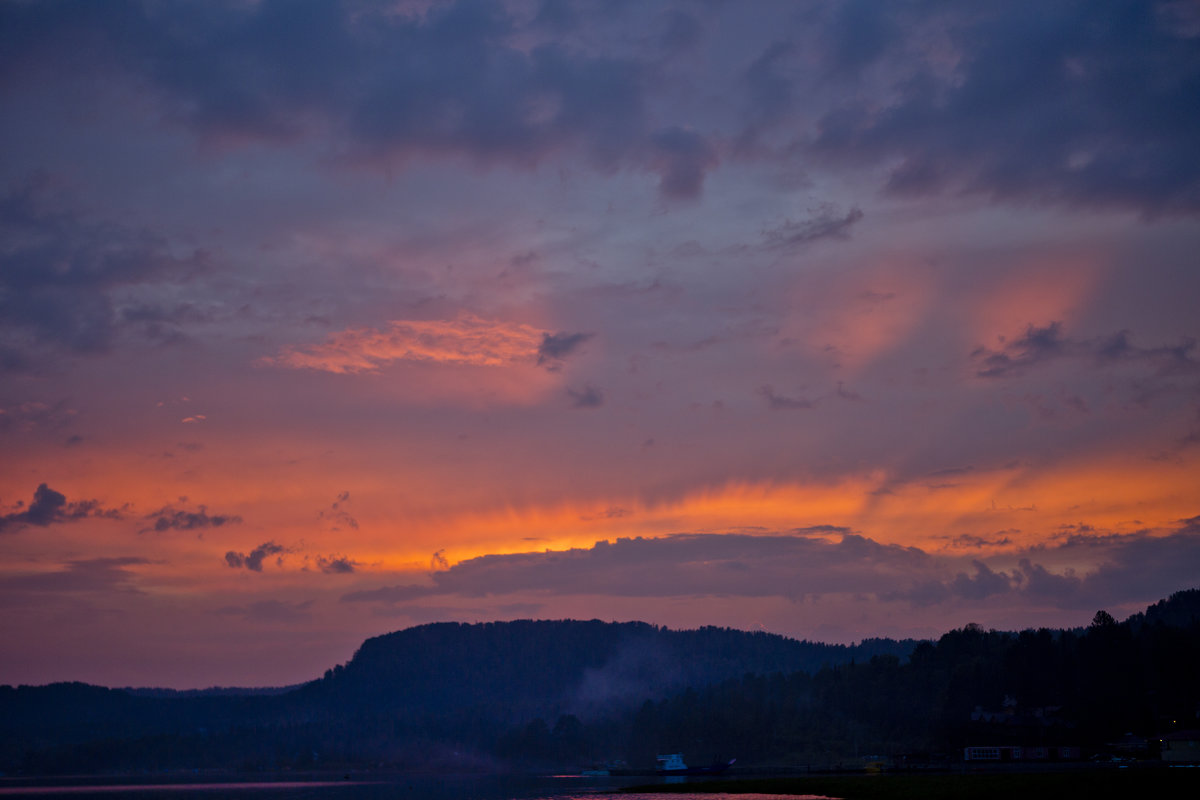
[(673, 764), (613, 767)]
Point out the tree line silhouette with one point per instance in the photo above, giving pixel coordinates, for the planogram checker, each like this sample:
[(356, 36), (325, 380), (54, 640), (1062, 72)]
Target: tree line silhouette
[(555, 694)]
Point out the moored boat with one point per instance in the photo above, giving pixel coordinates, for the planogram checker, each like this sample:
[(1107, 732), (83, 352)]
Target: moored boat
[(673, 764)]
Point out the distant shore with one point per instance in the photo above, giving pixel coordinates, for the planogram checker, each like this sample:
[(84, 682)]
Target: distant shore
[(1095, 784)]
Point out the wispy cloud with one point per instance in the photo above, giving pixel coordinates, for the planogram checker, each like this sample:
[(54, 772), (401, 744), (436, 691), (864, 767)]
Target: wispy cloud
[(466, 340), (271, 612), (99, 575), (170, 518), (824, 222), (780, 402), (1044, 344)]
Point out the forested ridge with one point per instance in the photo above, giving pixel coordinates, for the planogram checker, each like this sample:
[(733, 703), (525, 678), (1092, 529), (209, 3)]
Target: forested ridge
[(533, 694)]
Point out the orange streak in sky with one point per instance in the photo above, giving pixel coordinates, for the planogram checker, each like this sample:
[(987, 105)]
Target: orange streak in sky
[(466, 339), (1037, 293), (404, 514)]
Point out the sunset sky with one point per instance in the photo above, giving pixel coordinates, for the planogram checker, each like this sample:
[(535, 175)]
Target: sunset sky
[(833, 319)]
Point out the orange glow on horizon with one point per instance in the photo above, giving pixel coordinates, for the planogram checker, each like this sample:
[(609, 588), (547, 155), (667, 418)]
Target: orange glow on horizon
[(1013, 508), (402, 518)]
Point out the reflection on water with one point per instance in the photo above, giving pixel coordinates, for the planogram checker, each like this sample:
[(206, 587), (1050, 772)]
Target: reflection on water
[(685, 796), (422, 787), (150, 788)]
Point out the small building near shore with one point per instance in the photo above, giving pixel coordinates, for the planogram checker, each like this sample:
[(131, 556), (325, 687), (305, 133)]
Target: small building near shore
[(1022, 753), (1181, 747)]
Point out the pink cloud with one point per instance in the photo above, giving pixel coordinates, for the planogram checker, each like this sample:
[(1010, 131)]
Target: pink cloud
[(464, 340)]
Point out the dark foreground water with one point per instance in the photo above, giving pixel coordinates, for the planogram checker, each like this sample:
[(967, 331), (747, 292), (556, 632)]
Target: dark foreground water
[(421, 787)]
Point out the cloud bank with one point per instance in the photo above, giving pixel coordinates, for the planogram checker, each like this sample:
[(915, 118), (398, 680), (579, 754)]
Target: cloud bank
[(1127, 568)]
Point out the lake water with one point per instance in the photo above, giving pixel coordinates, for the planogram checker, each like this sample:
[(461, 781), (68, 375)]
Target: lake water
[(421, 787)]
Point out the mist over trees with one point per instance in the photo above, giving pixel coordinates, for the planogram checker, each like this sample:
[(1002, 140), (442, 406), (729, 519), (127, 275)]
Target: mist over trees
[(532, 695)]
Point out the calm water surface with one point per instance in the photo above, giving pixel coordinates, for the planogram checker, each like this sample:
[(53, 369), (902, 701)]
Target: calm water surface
[(422, 787)]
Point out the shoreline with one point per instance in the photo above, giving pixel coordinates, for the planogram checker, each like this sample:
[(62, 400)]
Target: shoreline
[(1098, 783)]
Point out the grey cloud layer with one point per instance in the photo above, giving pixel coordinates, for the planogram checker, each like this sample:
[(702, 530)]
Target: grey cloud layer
[(1064, 102), (1137, 567), (61, 273), (100, 575), (1039, 345), (683, 564), (389, 85)]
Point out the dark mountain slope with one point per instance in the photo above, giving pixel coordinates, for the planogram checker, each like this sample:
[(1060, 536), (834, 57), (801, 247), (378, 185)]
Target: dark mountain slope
[(1180, 610), (512, 670)]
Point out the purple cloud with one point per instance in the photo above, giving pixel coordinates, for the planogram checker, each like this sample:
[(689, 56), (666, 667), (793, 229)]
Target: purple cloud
[(1135, 568), (253, 560), (49, 507), (169, 518), (1027, 128)]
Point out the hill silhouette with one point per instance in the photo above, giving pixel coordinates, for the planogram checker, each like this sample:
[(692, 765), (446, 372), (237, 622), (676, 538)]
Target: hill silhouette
[(531, 694), (510, 670), (416, 686)]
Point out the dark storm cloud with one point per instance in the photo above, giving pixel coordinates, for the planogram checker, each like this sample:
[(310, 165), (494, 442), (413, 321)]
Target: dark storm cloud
[(1067, 102), (169, 518), (381, 84), (557, 346), (49, 507), (253, 560), (59, 273)]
